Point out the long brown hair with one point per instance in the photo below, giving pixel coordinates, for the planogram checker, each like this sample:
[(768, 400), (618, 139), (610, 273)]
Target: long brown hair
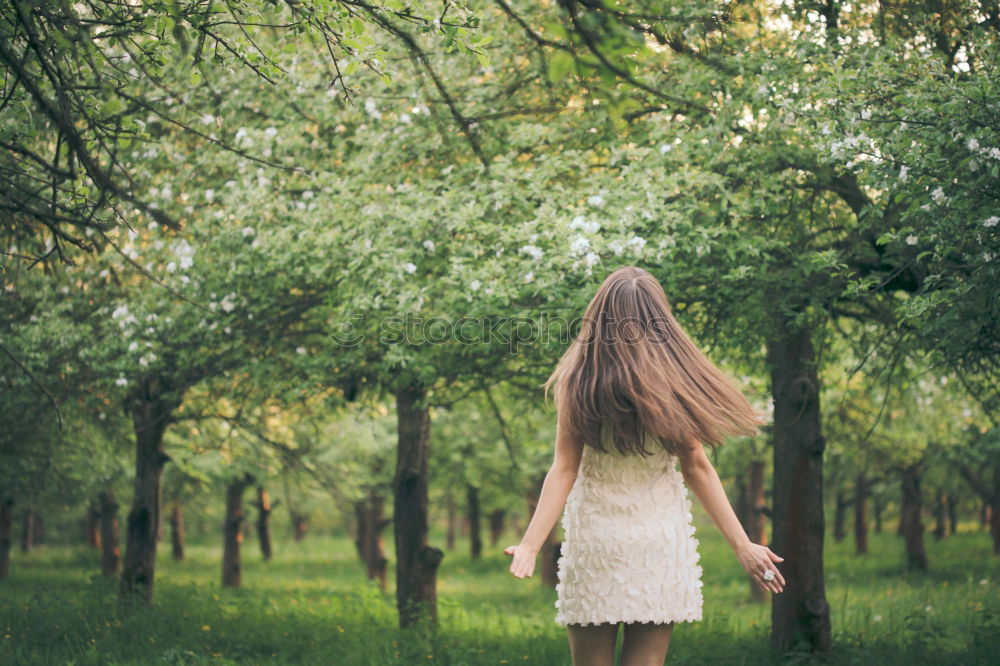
[(633, 372)]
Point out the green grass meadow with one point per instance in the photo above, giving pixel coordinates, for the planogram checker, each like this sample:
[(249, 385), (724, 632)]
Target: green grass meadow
[(311, 605)]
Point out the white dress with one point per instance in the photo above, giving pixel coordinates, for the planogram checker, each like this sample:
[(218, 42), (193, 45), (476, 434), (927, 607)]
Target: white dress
[(629, 553)]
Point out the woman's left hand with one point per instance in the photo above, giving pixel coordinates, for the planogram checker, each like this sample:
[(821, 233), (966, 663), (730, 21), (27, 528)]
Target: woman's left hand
[(523, 563)]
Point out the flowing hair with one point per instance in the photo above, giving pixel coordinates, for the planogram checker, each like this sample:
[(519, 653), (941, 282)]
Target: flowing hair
[(633, 371)]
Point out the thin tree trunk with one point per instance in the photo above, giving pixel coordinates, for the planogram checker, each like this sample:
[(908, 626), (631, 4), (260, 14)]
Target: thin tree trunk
[(232, 564), (27, 530), (37, 529), (371, 522), (452, 527), (496, 526), (416, 561), (150, 407), (911, 519), (952, 514), (110, 550), (757, 523), (92, 524), (861, 514), (300, 525), (877, 511), (995, 512), (801, 612), (264, 509), (840, 515), (475, 522), (940, 515), (177, 531), (548, 554), (6, 534)]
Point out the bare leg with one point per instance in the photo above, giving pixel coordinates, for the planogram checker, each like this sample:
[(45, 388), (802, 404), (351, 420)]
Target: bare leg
[(645, 644), (592, 644)]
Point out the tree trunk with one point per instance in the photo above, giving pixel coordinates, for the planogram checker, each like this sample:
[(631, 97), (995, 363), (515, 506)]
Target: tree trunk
[(496, 526), (877, 511), (27, 530), (110, 550), (548, 555), (984, 514), (177, 531), (940, 515), (264, 509), (6, 534), (840, 515), (995, 512), (371, 522), (232, 563), (92, 524), (452, 522), (995, 529), (150, 408), (37, 529), (300, 525), (416, 562), (861, 514), (952, 514), (751, 509), (911, 520), (475, 523), (800, 614)]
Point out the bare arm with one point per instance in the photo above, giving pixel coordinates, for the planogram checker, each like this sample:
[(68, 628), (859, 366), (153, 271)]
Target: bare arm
[(703, 480), (556, 488)]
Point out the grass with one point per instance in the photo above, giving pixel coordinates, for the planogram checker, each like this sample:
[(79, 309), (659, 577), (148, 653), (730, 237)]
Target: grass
[(311, 605)]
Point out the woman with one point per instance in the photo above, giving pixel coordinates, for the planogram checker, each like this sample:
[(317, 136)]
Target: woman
[(633, 395)]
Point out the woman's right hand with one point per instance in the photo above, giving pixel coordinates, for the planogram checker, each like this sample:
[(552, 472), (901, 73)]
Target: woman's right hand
[(523, 563), (755, 560)]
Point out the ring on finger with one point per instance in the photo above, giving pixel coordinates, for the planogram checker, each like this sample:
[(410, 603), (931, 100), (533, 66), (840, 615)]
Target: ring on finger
[(768, 575)]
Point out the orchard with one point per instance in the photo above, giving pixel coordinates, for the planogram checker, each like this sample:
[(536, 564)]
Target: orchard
[(282, 284)]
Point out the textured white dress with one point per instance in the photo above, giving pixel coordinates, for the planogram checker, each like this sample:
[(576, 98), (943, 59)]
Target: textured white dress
[(629, 552)]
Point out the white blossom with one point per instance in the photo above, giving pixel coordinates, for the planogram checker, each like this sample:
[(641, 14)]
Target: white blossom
[(595, 200), (404, 118), (866, 114), (579, 222), (972, 145), (300, 350), (937, 195), (991, 221), (902, 172), (249, 231), (911, 240), (132, 347), (207, 119), (429, 245), (590, 259), (209, 195), (579, 245), (533, 251), (409, 267), (121, 381), (271, 132), (474, 285), (666, 148), (308, 194), (637, 243), (529, 276)]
